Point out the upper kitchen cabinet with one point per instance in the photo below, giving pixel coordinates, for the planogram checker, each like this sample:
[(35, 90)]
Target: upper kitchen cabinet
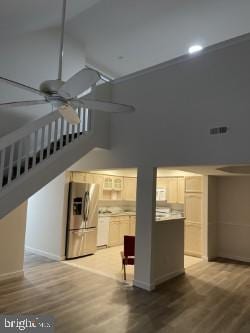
[(181, 190), (82, 177), (129, 189), (161, 182), (111, 183), (108, 183), (172, 190), (193, 184), (117, 183), (161, 189)]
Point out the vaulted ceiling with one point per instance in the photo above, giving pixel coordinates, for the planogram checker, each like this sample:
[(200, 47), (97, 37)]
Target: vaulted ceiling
[(123, 36)]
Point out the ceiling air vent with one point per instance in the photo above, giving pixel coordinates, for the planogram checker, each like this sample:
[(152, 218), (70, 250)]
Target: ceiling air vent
[(218, 130)]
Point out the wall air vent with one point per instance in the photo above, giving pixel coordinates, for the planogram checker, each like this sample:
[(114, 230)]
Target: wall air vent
[(218, 130)]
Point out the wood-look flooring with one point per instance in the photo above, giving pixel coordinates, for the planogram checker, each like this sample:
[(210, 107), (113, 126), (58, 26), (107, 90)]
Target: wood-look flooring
[(210, 298)]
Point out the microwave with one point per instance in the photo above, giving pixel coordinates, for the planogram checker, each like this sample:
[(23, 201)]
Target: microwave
[(161, 194)]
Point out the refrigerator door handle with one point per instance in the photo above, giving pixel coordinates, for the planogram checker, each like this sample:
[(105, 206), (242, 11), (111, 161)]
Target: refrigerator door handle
[(87, 206), (84, 208)]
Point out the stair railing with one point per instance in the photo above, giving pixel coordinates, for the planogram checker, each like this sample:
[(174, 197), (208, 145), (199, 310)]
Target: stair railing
[(22, 150)]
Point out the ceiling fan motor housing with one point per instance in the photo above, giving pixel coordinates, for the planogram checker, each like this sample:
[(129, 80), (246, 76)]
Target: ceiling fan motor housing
[(51, 87)]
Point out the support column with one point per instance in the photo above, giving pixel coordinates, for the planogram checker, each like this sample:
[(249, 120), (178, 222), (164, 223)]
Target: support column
[(145, 217)]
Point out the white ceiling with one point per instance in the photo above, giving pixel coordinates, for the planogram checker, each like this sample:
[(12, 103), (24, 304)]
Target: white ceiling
[(20, 16), (148, 32), (142, 32)]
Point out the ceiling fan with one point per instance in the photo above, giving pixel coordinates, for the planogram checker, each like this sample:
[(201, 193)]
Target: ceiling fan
[(64, 96)]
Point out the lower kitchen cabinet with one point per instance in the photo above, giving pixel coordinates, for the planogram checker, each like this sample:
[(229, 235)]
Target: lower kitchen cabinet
[(193, 224), (114, 233), (119, 227), (132, 225), (192, 243), (124, 229), (172, 190)]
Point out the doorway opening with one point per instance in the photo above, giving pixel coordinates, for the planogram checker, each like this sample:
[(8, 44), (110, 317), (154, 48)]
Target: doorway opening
[(115, 218)]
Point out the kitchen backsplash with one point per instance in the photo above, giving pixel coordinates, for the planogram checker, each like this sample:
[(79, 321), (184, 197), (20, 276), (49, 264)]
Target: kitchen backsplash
[(172, 206), (131, 205), (124, 205)]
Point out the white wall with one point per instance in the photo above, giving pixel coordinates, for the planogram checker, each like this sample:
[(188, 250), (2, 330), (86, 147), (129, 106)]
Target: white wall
[(46, 219), (233, 217), (12, 234), (176, 105), (32, 59)]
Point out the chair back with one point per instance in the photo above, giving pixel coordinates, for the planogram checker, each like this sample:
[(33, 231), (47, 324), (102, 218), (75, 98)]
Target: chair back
[(129, 246)]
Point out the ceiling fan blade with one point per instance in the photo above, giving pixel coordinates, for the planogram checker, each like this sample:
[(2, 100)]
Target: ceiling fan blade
[(69, 114), (22, 86), (21, 103), (79, 83), (106, 106)]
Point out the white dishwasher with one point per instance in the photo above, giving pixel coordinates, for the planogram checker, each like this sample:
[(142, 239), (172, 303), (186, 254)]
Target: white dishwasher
[(103, 230)]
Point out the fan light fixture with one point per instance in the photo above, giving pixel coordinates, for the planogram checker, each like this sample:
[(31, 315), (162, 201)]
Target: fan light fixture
[(195, 48)]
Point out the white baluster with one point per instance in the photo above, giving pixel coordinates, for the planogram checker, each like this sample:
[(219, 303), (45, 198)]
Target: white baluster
[(56, 124), (35, 149), (67, 133), (2, 167), (79, 125), (62, 132), (19, 157), (49, 139), (27, 154), (10, 166), (42, 143), (83, 121), (86, 120)]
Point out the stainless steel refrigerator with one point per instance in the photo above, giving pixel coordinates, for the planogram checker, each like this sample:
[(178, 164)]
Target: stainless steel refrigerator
[(81, 235)]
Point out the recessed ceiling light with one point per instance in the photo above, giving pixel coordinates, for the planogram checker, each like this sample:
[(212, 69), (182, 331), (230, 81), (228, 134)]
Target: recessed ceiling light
[(195, 48)]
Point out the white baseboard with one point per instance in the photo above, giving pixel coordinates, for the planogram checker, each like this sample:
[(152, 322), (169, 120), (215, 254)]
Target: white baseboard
[(233, 257), (12, 275), (44, 254), (158, 281), (168, 276), (143, 285)]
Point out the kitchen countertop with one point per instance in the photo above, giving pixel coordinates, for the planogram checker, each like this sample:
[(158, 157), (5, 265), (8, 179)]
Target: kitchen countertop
[(169, 218), (117, 214)]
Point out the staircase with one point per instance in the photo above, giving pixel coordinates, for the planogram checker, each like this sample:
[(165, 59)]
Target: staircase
[(33, 155)]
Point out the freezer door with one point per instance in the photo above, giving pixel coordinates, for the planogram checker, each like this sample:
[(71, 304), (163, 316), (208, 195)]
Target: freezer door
[(80, 243), (89, 244), (90, 206), (75, 240)]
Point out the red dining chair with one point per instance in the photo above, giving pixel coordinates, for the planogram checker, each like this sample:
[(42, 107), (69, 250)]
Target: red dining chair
[(128, 253)]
